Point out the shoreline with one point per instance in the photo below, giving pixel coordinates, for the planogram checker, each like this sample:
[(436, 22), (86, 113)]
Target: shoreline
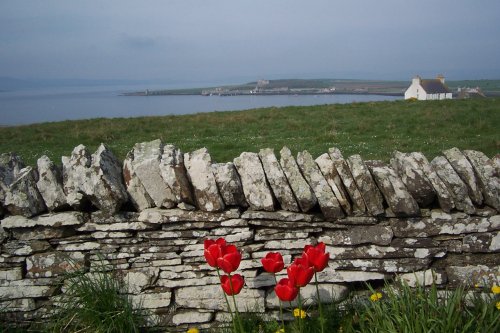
[(227, 94)]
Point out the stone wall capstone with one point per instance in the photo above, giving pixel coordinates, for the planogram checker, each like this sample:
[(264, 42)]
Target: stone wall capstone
[(146, 219)]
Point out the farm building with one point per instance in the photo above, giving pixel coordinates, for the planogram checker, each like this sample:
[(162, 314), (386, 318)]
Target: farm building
[(428, 89)]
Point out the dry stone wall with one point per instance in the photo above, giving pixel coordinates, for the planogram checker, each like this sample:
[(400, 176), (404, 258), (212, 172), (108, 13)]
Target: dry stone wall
[(146, 218)]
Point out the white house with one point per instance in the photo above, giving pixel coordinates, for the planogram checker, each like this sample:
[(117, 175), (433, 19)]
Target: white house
[(428, 89)]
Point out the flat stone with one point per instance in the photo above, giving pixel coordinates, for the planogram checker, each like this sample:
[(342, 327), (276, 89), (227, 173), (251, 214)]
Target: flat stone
[(279, 215), (395, 192), (471, 275), (328, 294), (111, 234), (52, 264), (355, 235), (229, 184), (301, 189), (174, 173), (108, 189), (18, 305), (353, 220), (333, 276), (272, 234), (396, 265), (139, 279), (455, 185), (416, 242), (195, 234), (146, 165), (413, 177), (50, 184), (332, 177), (482, 243), (340, 164), (328, 203), (47, 220), (11, 274), (200, 173), (22, 196), (253, 178), (117, 226), (152, 300), (428, 277), (427, 227), (76, 177), (487, 178), (155, 215), (210, 297), (464, 169), (192, 317), (25, 248), (444, 196), (364, 181), (27, 288), (10, 167), (277, 180), (495, 161), (383, 252), (138, 195)]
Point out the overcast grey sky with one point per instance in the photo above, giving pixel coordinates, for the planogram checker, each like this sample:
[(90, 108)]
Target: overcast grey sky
[(233, 40)]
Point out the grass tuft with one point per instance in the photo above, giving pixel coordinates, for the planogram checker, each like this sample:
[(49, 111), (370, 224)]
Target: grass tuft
[(95, 302)]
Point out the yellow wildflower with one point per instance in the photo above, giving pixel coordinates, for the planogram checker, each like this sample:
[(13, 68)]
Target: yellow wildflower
[(495, 289), (498, 305), (375, 297), (299, 313), (281, 330), (193, 330)]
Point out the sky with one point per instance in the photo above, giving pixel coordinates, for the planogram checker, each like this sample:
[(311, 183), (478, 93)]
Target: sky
[(238, 41)]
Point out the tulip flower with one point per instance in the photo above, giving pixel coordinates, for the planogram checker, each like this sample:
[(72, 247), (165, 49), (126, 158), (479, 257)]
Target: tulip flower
[(273, 262), (316, 256), (300, 272), (236, 281), (230, 259), (286, 290), (213, 250)]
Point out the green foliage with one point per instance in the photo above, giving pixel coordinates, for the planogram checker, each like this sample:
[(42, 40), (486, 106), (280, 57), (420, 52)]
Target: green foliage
[(95, 302), (372, 130), (403, 309)]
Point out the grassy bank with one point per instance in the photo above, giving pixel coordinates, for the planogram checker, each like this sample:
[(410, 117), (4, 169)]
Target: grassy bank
[(372, 129)]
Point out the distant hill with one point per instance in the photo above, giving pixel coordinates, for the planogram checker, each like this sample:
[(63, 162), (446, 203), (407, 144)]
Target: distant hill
[(11, 84)]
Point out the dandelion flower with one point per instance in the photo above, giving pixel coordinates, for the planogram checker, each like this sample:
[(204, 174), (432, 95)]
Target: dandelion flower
[(495, 289), (193, 330), (281, 330), (375, 297), (299, 313), (498, 305)]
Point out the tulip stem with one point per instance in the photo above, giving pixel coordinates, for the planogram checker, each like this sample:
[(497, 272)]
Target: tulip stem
[(301, 324), (227, 302), (281, 304), (237, 314), (321, 318)]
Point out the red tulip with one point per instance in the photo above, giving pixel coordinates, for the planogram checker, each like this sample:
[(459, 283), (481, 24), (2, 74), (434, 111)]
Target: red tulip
[(286, 290), (316, 256), (236, 280), (273, 262), (300, 272), (230, 259), (213, 250)]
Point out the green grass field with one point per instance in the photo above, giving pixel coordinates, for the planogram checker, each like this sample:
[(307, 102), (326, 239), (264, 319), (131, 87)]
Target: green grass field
[(372, 129)]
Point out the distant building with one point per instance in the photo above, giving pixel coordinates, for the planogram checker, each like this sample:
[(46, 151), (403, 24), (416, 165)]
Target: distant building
[(464, 93), (428, 89)]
